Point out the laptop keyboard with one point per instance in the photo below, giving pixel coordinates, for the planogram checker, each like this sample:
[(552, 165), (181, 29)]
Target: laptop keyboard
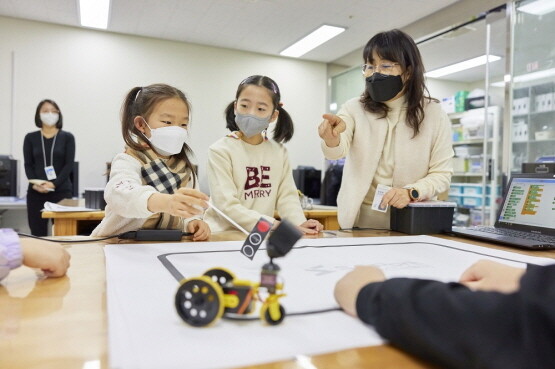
[(519, 234)]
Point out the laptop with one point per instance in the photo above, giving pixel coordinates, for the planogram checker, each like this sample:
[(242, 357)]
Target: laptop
[(527, 215)]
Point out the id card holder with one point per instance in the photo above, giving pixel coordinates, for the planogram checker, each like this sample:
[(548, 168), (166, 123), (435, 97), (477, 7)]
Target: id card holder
[(50, 172)]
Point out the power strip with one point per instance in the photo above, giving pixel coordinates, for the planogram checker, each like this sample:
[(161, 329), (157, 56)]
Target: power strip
[(154, 235)]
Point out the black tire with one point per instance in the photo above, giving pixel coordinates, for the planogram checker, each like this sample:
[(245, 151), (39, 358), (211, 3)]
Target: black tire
[(199, 301), (268, 317)]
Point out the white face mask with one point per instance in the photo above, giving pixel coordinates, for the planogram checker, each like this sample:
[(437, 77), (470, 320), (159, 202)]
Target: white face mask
[(167, 140), (49, 119)]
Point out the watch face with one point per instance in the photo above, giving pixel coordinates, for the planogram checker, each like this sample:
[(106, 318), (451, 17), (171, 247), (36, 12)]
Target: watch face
[(414, 193)]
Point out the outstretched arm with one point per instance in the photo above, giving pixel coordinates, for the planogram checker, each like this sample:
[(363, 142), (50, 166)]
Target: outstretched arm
[(450, 325)]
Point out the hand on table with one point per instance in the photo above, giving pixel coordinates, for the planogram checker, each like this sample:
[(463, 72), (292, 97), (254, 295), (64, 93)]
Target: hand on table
[(348, 287), (199, 229), (51, 258), (486, 275)]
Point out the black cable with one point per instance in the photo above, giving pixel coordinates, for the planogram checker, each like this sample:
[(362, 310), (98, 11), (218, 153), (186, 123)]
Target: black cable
[(253, 318), (68, 241), (130, 235), (363, 229)]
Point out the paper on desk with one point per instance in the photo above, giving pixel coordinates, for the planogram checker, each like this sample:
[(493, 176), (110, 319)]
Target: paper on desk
[(50, 206), (146, 332)]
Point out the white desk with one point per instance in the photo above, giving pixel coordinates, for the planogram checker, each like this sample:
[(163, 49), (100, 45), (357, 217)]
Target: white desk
[(11, 203)]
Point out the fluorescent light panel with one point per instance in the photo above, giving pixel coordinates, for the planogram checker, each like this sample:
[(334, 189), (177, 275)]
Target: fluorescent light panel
[(94, 13), (313, 40), (538, 7), (457, 67)]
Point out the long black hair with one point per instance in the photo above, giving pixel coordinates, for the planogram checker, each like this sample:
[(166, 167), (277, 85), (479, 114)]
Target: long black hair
[(140, 101), (398, 47), (284, 126)]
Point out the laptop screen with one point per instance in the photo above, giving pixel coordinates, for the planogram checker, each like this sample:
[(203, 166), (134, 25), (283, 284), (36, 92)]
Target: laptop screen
[(530, 203)]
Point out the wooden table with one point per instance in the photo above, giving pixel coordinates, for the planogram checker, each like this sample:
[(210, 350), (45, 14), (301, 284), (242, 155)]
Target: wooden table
[(61, 323), (72, 223)]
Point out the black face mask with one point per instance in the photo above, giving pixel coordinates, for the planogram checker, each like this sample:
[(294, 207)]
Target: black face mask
[(382, 87)]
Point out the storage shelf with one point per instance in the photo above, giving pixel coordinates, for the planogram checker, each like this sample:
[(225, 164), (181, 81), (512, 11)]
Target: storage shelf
[(532, 141), (464, 174), (542, 112), (477, 141), (520, 115), (472, 207), (457, 115)]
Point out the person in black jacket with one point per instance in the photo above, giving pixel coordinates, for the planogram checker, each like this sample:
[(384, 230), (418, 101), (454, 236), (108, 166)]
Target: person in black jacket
[(49, 155), (496, 317)]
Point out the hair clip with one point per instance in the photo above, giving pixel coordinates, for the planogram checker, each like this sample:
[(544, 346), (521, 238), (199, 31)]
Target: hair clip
[(137, 95)]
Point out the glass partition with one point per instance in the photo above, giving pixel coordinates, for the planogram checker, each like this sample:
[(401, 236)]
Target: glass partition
[(533, 84)]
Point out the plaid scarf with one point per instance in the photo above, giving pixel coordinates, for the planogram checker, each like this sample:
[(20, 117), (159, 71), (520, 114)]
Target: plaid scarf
[(166, 176)]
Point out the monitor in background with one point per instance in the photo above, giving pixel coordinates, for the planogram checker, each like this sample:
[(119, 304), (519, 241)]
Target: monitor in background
[(541, 168), (308, 181), (74, 178), (8, 176)]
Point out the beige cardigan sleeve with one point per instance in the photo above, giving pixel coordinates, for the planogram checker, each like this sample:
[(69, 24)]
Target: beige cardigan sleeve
[(440, 169)]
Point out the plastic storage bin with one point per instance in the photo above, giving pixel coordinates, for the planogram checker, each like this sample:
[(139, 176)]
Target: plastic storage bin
[(426, 217), (473, 201), (472, 189)]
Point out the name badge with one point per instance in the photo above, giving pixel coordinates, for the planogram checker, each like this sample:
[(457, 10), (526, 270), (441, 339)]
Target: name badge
[(381, 190), (50, 172)]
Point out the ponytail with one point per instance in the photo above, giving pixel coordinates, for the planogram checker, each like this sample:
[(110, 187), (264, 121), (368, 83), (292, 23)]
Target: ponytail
[(284, 126), (230, 117), (128, 112)]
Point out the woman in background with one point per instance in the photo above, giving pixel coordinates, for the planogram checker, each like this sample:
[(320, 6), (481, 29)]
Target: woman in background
[(49, 154)]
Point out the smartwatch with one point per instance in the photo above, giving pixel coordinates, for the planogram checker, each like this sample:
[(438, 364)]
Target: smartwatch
[(413, 193)]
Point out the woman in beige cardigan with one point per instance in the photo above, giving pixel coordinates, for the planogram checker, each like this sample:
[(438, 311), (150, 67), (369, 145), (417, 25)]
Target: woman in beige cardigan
[(395, 134)]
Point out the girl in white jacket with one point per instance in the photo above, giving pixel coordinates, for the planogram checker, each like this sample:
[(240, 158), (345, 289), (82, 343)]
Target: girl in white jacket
[(152, 184)]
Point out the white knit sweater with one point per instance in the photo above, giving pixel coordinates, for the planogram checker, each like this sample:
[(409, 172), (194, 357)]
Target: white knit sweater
[(423, 162), (126, 198), (250, 181)]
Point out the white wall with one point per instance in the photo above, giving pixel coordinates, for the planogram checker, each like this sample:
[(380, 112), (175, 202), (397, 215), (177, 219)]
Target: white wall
[(440, 88), (88, 73)]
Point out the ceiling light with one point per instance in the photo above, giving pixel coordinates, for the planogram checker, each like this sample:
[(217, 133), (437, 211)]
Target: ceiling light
[(312, 41), (538, 7), (457, 67), (94, 13)]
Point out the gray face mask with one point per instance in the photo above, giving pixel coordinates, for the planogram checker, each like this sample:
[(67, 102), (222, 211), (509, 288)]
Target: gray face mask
[(251, 125)]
